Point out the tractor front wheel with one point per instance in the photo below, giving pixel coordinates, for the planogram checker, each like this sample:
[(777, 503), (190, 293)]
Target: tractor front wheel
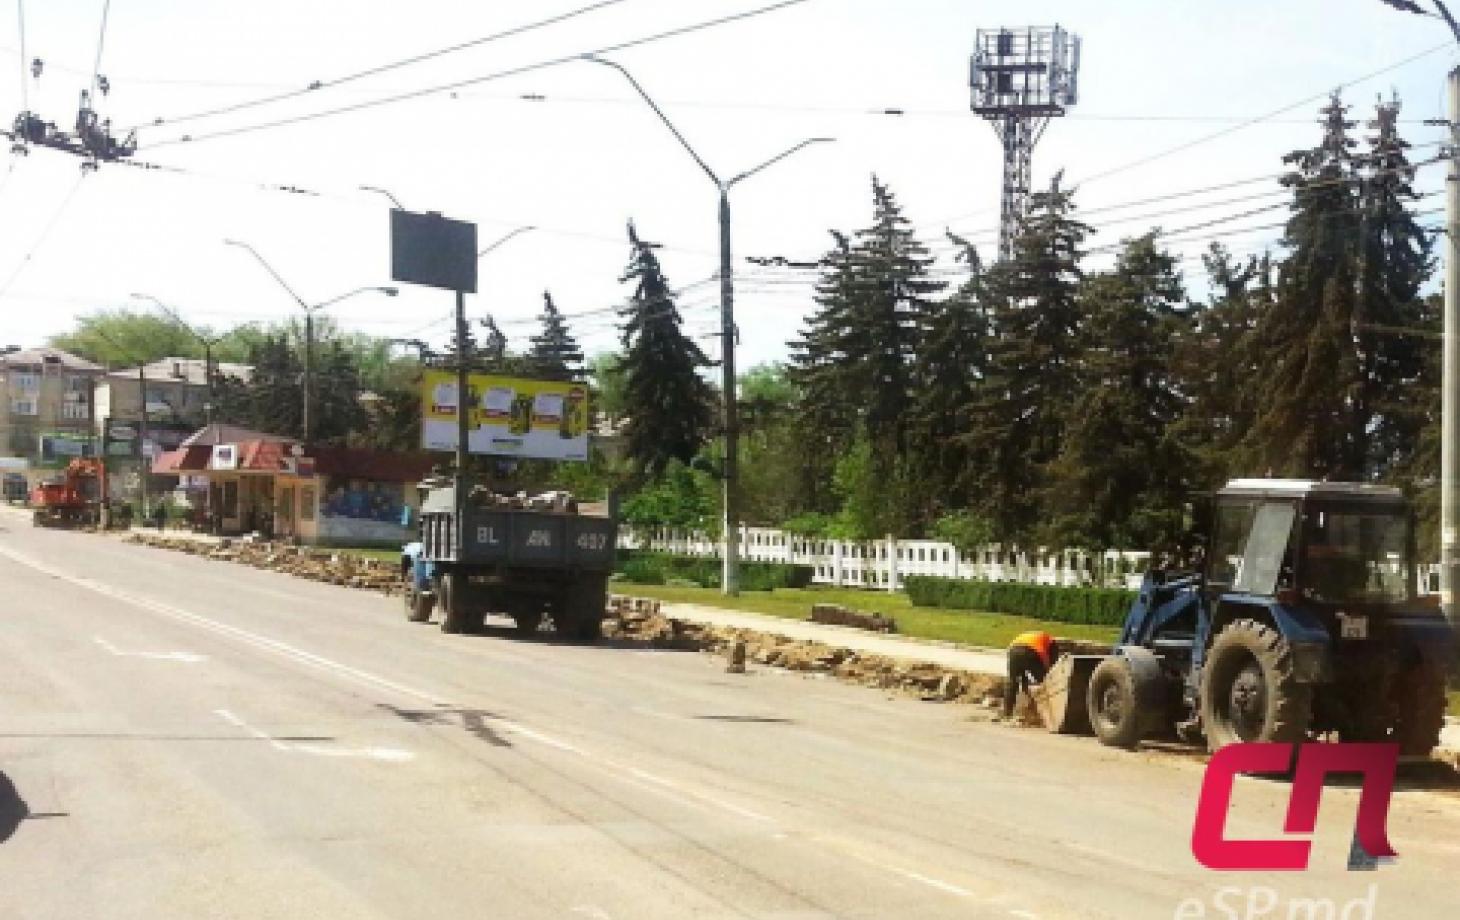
[(1113, 705), (1250, 691), (1422, 704)]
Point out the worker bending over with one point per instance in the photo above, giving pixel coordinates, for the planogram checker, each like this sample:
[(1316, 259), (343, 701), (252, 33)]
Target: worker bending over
[(1030, 657)]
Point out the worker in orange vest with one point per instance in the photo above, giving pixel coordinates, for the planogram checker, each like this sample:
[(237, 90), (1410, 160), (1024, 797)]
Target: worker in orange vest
[(1030, 657)]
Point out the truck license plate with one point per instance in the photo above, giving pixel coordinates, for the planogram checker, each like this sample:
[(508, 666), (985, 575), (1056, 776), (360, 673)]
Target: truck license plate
[(1354, 627)]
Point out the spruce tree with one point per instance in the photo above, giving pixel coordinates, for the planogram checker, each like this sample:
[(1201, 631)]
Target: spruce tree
[(555, 354), (1020, 405), (1305, 396), (1122, 471), (1395, 261), (950, 362), (668, 403)]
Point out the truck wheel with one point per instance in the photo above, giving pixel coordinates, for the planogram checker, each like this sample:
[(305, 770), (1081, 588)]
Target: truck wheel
[(1114, 710), (418, 605), (526, 623), (453, 612), (1249, 690), (583, 608), (1422, 704)]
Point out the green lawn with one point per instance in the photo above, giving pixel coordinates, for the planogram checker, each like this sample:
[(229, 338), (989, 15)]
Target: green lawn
[(383, 553), (968, 627)]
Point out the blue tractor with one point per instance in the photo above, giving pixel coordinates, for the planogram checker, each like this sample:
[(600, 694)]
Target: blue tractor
[(1304, 621)]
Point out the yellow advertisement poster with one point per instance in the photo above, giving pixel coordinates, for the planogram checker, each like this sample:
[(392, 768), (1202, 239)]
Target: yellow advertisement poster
[(507, 416)]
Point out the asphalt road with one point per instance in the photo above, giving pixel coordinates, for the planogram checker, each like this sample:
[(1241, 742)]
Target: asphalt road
[(182, 738)]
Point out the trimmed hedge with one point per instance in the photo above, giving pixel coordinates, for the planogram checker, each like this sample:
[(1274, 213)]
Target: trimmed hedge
[(1090, 606), (649, 568)]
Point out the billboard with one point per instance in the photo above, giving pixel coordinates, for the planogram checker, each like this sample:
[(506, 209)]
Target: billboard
[(433, 250), (507, 416)]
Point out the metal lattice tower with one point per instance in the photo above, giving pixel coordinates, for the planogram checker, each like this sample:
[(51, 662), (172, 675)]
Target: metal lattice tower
[(1022, 78)]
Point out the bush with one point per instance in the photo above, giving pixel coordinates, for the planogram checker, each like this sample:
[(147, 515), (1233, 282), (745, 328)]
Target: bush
[(1087, 606), (648, 568)]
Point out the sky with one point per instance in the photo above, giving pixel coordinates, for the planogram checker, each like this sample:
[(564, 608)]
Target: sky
[(584, 156)]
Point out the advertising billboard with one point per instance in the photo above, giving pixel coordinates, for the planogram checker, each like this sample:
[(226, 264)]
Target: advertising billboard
[(507, 416)]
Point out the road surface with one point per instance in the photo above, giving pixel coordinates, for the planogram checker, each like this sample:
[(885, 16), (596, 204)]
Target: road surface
[(182, 738)]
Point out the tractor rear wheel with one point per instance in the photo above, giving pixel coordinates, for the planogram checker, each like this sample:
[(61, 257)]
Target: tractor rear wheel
[(1113, 705), (526, 622), (1250, 691), (1422, 704)]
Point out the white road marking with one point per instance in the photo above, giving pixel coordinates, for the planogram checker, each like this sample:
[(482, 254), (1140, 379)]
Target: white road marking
[(184, 657), (939, 884), (232, 632), (393, 755)]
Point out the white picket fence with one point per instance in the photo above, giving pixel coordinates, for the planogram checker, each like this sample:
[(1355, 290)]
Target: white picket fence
[(882, 564)]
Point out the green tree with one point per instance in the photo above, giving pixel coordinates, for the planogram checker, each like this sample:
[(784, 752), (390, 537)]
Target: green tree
[(1303, 426), (123, 338), (680, 498), (950, 364), (667, 401), (1020, 405), (1122, 472), (555, 354)]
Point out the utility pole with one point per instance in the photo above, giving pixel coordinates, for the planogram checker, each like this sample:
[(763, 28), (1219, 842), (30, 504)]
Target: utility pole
[(1450, 385), (206, 341), (730, 552), (1450, 382)]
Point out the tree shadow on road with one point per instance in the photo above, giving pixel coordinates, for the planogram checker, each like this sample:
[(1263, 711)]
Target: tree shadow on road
[(13, 809), (473, 720)]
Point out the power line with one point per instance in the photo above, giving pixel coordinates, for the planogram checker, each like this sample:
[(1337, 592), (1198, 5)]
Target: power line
[(514, 71), (384, 68), (1142, 161), (100, 43), (42, 237)]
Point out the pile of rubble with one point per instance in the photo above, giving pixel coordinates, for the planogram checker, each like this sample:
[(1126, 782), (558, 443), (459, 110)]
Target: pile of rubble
[(837, 615), (324, 565), (642, 620)]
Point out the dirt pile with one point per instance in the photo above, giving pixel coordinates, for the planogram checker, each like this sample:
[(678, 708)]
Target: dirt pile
[(642, 620), (323, 565), (837, 615)]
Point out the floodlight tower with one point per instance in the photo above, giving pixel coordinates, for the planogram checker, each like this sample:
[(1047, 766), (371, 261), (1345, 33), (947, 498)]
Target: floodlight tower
[(1021, 78)]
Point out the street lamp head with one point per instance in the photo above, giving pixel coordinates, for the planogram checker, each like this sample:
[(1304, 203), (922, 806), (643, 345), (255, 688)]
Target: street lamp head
[(386, 192)]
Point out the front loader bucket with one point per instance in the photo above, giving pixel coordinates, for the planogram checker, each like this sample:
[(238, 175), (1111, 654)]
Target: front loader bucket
[(1061, 697)]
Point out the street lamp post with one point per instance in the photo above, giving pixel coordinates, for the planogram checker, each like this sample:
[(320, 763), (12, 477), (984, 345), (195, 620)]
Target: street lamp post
[(208, 342), (1450, 377), (309, 311), (730, 554)]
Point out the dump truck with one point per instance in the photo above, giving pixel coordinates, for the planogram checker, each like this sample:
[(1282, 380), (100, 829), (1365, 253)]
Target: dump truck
[(530, 558), (73, 499), (1302, 621)]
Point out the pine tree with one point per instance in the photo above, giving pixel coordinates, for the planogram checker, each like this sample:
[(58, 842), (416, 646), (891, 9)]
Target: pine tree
[(494, 344), (1215, 361), (1304, 397), (555, 354), (891, 306), (1020, 405), (1123, 469), (668, 403), (950, 362), (1395, 262)]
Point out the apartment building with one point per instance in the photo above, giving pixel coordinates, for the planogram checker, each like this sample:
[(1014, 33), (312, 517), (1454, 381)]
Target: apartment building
[(47, 408), (177, 391)]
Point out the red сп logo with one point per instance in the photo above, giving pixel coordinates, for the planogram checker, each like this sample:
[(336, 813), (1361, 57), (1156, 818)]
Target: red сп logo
[(1376, 762)]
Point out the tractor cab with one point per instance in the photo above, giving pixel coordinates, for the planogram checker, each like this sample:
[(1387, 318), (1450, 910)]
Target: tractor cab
[(1316, 544)]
